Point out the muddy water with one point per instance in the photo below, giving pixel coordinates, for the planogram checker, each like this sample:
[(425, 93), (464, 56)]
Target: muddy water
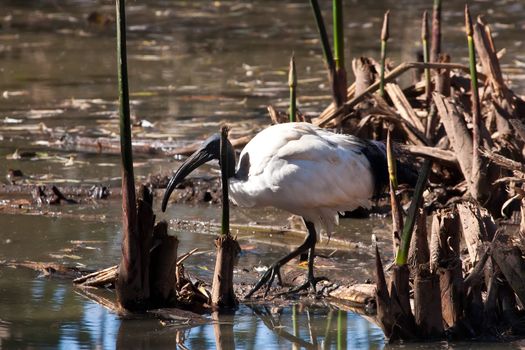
[(193, 65)]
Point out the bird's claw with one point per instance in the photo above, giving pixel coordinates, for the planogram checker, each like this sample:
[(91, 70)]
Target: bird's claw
[(268, 278)]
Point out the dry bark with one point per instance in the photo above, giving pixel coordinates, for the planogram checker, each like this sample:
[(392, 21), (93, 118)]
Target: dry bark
[(326, 117), (435, 48), (443, 77), (440, 155), (463, 145), (444, 258), (403, 106), (364, 74), (474, 231), (163, 265), (427, 304), (132, 293), (510, 261), (419, 253), (504, 102), (146, 276), (394, 314), (452, 292)]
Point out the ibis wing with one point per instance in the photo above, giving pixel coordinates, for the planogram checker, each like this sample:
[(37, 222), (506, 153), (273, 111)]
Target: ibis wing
[(298, 167)]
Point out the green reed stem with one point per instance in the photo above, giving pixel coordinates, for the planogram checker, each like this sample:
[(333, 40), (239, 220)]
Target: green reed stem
[(327, 51), (339, 42), (123, 90), (225, 220), (408, 228), (474, 86)]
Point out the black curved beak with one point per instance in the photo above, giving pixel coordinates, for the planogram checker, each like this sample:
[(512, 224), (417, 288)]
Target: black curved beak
[(197, 159)]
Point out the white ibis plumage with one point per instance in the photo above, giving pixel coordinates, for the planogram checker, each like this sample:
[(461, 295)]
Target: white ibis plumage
[(305, 170)]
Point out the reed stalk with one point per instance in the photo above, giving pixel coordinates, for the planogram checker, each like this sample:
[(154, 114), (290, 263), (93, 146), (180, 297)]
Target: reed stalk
[(339, 82), (426, 58), (384, 38), (339, 43), (397, 214), (225, 220), (292, 83), (476, 118), (123, 90), (435, 49), (129, 213), (327, 51), (408, 228)]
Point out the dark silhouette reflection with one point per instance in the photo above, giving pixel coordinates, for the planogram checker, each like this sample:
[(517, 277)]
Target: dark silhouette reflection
[(223, 329)]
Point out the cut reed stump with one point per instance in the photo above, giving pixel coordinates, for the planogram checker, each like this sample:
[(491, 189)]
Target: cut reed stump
[(222, 293), (146, 276), (228, 249), (446, 262)]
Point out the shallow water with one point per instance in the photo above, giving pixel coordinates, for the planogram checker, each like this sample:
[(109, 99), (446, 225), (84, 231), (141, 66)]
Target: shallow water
[(193, 65)]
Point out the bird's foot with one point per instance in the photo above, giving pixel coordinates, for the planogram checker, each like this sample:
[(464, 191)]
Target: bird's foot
[(268, 277), (309, 284)]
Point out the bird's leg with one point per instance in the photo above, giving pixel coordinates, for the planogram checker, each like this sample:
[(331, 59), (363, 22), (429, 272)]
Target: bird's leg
[(274, 270), (311, 280)]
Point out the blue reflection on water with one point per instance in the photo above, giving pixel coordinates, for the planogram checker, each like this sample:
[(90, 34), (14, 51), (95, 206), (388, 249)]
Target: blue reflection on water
[(101, 325)]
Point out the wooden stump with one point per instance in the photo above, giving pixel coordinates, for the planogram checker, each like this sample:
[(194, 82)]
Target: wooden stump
[(163, 265), (147, 276), (427, 305), (222, 294)]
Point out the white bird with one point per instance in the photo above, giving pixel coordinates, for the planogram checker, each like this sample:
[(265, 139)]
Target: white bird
[(305, 170)]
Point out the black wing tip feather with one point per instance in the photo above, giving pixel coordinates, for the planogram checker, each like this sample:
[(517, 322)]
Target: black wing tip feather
[(375, 152)]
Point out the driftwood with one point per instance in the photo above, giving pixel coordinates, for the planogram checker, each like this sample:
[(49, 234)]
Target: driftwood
[(107, 277), (356, 295)]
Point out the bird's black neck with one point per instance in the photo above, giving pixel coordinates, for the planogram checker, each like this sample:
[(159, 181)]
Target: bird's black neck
[(244, 167)]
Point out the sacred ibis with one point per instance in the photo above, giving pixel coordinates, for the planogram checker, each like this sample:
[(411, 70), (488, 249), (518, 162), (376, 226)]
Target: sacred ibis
[(305, 170)]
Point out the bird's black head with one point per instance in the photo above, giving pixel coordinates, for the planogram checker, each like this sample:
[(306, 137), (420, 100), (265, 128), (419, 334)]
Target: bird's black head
[(209, 150)]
